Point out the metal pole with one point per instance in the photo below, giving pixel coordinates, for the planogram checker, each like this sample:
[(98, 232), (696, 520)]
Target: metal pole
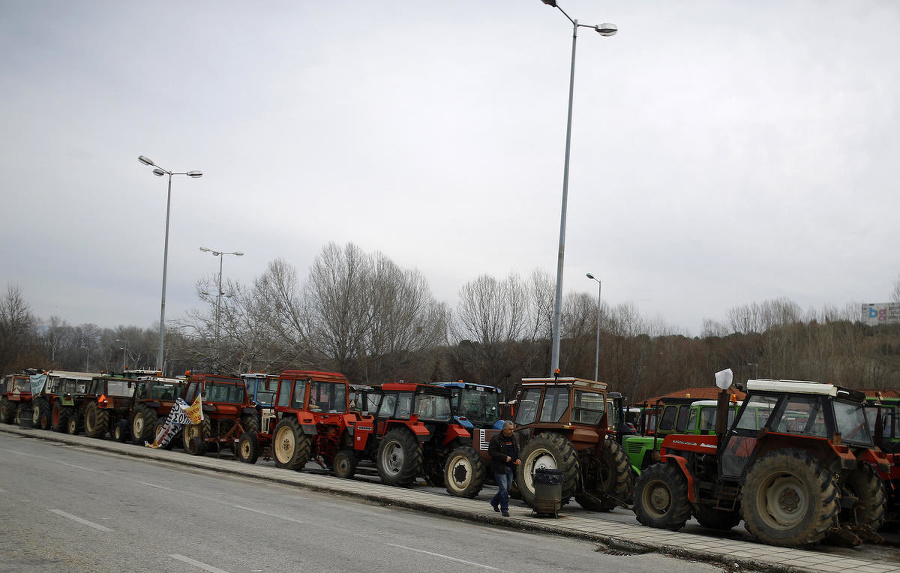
[(218, 301), (557, 305), (597, 354), (162, 306)]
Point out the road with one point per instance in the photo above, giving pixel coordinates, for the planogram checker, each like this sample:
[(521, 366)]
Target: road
[(67, 509)]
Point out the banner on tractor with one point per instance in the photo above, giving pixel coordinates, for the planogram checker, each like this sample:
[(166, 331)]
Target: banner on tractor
[(180, 415), (37, 383)]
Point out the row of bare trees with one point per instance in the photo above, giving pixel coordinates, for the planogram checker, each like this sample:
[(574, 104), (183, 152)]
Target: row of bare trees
[(361, 314)]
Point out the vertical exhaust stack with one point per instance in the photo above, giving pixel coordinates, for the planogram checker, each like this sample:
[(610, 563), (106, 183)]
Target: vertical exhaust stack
[(723, 381)]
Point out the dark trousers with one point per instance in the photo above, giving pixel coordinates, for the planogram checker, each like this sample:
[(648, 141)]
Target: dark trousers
[(504, 482)]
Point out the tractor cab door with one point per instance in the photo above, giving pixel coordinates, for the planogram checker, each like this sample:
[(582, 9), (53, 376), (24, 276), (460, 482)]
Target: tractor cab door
[(740, 443)]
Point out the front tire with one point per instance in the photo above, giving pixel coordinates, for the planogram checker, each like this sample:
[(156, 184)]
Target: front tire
[(713, 518), (464, 472), (248, 448), (661, 497), (7, 411), (345, 464), (74, 425), (399, 458), (789, 499), (550, 451), (143, 425), (60, 417), (41, 415), (120, 432), (871, 507)]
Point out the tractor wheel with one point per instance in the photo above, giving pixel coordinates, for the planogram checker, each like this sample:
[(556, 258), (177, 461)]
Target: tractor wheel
[(41, 414), (74, 425), (865, 485), (612, 484), (7, 411), (25, 415), (550, 451), (250, 423), (713, 518), (143, 425), (120, 431), (96, 420), (464, 472), (156, 430), (345, 464), (789, 499), (248, 448), (399, 458), (194, 436), (661, 497), (291, 448), (60, 418)]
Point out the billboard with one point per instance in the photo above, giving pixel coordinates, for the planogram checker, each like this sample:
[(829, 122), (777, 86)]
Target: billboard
[(881, 313)]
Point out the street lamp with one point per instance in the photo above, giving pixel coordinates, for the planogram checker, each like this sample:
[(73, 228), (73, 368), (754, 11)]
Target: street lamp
[(221, 256), (597, 355), (603, 30), (124, 352), (159, 172)]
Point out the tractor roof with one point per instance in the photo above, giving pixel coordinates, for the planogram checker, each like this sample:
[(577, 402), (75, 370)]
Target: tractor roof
[(462, 384), (569, 381), (804, 387)]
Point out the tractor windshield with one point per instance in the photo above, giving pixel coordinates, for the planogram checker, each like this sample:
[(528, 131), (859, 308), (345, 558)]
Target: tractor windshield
[(851, 423), (224, 392), (480, 407), (162, 391), (327, 397), (433, 408)]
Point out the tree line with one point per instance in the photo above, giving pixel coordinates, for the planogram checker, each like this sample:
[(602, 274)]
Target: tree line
[(363, 315)]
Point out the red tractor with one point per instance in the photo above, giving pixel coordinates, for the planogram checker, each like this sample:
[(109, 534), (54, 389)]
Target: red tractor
[(797, 465), (412, 435), (15, 403), (563, 424), (312, 421), (228, 412)]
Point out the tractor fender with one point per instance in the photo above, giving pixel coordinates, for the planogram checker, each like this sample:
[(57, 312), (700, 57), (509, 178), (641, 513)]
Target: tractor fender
[(878, 460), (455, 433), (250, 411), (682, 463), (307, 423)]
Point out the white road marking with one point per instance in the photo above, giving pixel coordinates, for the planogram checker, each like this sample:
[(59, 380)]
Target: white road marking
[(74, 466), (197, 564), (445, 557), (45, 458), (270, 514), (81, 521)]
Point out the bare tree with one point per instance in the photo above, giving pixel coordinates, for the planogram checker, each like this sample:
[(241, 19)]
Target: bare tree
[(17, 333)]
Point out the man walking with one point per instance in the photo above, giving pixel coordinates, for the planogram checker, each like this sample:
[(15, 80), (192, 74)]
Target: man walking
[(504, 458)]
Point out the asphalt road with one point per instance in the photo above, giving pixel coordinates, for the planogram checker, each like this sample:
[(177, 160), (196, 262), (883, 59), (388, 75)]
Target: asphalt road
[(66, 508)]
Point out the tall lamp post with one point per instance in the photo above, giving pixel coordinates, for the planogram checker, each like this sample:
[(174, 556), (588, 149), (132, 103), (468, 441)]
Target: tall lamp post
[(159, 172), (124, 350), (603, 30), (221, 256), (597, 354)]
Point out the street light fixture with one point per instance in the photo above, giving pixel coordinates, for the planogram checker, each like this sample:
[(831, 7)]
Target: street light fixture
[(221, 256), (159, 172), (124, 350), (603, 30), (597, 354)]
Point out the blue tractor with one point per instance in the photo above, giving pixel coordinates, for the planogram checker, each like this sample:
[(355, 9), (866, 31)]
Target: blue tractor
[(475, 406)]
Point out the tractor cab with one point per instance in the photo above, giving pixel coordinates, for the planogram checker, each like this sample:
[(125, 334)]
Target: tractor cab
[(475, 405)]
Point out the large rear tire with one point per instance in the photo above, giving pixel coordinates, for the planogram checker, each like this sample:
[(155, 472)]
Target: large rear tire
[(345, 464), (661, 497), (41, 414), (60, 417), (7, 411), (291, 448), (399, 458), (610, 482), (250, 423), (789, 499), (248, 448), (143, 425), (550, 451), (25, 415), (464, 472), (96, 420), (120, 432)]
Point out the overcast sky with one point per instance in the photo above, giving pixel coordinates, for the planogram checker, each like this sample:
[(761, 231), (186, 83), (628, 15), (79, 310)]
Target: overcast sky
[(722, 152)]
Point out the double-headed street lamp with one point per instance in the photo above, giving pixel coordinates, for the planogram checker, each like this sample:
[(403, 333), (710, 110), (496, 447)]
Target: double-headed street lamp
[(221, 256), (597, 354), (603, 30), (159, 172)]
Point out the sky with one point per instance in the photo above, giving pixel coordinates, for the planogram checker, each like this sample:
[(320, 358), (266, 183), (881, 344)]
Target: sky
[(723, 152)]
